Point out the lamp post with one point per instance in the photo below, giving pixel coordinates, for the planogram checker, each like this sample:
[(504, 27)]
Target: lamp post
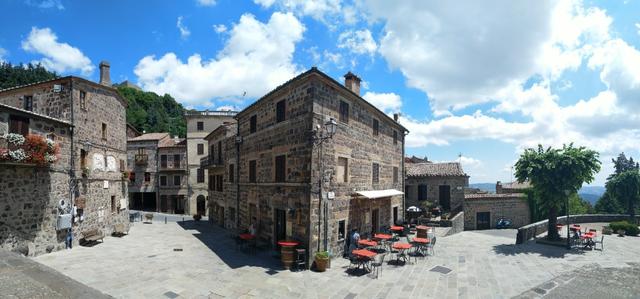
[(567, 193), (319, 137)]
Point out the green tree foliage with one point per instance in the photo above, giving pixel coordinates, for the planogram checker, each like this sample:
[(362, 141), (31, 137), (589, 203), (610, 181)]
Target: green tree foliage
[(607, 204), (622, 164), (150, 112), (555, 172), (16, 75), (625, 187)]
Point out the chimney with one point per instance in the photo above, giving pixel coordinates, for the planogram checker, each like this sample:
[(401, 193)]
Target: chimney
[(352, 82), (105, 77), (396, 116)]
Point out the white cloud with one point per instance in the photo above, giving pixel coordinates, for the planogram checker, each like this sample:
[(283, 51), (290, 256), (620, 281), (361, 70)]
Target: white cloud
[(387, 102), (359, 42), (45, 4), (228, 108), (207, 2), (3, 53), (220, 28), (321, 10), (256, 58), (638, 27), (184, 31), (59, 57)]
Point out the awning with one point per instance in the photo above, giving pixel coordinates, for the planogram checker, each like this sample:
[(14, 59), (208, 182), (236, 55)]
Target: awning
[(379, 193)]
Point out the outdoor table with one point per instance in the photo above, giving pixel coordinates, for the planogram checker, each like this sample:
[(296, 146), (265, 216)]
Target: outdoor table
[(286, 250), (247, 237), (401, 247), (396, 228), (382, 236), (588, 237), (421, 243), (364, 257), (367, 243)]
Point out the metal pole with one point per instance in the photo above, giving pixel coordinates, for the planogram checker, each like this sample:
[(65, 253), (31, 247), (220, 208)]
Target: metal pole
[(568, 222)]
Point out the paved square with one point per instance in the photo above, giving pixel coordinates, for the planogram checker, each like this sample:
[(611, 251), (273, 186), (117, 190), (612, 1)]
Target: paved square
[(484, 264)]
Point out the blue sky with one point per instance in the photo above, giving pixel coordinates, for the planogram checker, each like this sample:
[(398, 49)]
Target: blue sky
[(480, 79)]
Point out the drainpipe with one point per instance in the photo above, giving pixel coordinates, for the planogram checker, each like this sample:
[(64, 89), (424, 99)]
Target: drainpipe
[(238, 140)]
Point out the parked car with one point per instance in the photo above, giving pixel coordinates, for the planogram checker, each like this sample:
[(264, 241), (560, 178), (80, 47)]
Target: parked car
[(503, 223)]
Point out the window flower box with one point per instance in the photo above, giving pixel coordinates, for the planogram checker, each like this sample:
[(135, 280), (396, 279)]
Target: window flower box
[(32, 149)]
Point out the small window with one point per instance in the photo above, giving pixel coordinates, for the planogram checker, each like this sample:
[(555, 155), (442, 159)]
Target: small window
[(376, 173), (200, 126), (200, 175), (281, 166), (232, 214), (114, 205), (395, 137), (231, 173), (83, 159), (122, 165), (200, 149), (219, 183), (395, 174), (219, 152), (212, 150), (212, 182), (341, 230), (83, 100), (163, 180), (104, 131), (147, 177), (280, 111), (163, 161), (176, 161), (422, 192), (376, 127), (344, 112), (176, 180), (252, 171), (342, 174), (28, 103), (253, 124), (19, 125)]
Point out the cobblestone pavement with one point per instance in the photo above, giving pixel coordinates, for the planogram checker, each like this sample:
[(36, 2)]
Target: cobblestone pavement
[(483, 265), (21, 277)]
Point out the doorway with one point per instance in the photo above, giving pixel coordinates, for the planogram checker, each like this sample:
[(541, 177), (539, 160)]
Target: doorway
[(483, 220), (445, 197), (375, 221), (200, 204), (395, 215), (280, 229)]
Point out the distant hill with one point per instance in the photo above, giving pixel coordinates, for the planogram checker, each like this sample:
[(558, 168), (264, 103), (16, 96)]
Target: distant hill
[(591, 193), (489, 187), (152, 113)]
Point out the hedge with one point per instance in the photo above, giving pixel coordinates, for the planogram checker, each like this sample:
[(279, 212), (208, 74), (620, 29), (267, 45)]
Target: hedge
[(629, 228)]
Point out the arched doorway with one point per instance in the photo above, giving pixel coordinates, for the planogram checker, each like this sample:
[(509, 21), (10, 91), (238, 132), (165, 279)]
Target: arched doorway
[(201, 204)]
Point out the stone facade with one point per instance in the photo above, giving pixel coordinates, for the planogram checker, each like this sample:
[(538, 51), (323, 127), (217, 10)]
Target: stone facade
[(173, 196), (199, 125), (91, 176), (512, 206), (432, 181), (221, 157)]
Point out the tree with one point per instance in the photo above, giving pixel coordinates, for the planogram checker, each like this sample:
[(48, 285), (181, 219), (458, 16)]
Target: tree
[(625, 187), (556, 173), (622, 164), (149, 112), (607, 204), (16, 75)]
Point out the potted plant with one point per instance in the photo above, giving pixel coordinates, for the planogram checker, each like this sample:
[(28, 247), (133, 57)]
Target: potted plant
[(148, 216), (125, 175), (322, 259), (197, 217), (85, 171)]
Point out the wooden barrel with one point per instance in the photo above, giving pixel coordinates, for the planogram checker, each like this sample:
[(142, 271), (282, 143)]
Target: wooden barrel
[(287, 256), (421, 232)]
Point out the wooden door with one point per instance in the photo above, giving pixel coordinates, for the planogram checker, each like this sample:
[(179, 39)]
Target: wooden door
[(483, 220), (445, 197)]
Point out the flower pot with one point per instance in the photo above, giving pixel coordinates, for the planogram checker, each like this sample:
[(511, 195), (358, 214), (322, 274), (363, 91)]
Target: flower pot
[(321, 264)]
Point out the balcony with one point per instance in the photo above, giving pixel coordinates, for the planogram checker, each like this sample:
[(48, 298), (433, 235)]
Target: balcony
[(173, 166), (210, 162), (141, 159)]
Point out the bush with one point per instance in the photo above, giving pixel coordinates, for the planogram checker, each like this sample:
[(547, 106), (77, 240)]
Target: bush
[(629, 228), (322, 255)]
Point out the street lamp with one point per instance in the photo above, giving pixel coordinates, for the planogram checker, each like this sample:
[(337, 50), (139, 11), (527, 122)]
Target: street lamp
[(319, 137), (567, 193)]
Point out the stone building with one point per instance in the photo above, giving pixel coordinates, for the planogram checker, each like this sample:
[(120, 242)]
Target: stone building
[(482, 211), (199, 125), (157, 173), (279, 168), (512, 187), (88, 119), (441, 184), (220, 167), (132, 132)]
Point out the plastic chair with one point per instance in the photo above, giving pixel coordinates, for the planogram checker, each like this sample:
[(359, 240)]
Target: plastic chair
[(431, 245), (601, 242), (376, 265)]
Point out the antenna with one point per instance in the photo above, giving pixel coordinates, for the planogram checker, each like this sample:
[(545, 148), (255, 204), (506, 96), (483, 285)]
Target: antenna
[(460, 157), (511, 173)]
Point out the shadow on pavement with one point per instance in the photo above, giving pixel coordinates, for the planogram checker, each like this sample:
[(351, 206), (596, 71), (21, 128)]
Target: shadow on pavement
[(533, 247), (221, 243)]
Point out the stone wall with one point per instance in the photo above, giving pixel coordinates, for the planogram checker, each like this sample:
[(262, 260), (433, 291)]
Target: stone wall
[(457, 185), (514, 207), (532, 230), (150, 148), (457, 224)]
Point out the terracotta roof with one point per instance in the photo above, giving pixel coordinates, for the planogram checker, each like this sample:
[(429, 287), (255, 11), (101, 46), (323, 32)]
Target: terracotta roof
[(493, 196), (149, 137), (516, 185), (434, 169), (171, 142)]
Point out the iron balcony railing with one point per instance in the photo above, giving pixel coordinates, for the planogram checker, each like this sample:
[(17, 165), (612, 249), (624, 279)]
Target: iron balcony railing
[(210, 162), (141, 159)]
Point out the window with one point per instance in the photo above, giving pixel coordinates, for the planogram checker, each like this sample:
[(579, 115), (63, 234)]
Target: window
[(176, 180), (376, 173), (83, 100), (376, 127), (28, 103), (104, 131), (220, 152), (231, 173), (422, 192), (342, 174), (200, 175), (163, 180), (147, 177), (232, 214), (212, 182), (83, 159), (114, 206), (122, 165), (395, 174), (253, 124), (252, 171), (219, 183), (19, 125), (344, 112), (200, 126), (132, 177), (200, 149), (281, 165), (212, 150), (341, 230), (280, 111), (176, 161), (163, 161), (395, 137)]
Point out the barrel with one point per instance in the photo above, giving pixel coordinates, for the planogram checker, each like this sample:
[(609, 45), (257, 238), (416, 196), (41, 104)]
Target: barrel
[(421, 232), (287, 256)]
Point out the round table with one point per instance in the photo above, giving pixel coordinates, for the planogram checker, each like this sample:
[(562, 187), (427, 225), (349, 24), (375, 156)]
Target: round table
[(287, 250)]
